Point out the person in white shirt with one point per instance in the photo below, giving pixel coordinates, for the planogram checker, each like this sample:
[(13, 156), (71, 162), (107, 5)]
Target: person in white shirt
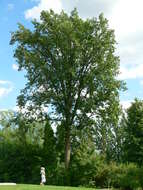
[(43, 176)]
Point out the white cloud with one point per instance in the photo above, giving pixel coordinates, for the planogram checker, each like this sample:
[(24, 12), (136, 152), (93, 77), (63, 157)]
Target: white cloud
[(85, 8), (15, 67), (4, 82), (141, 82), (4, 91), (5, 88), (131, 73), (15, 108), (90, 8), (34, 12), (125, 17), (10, 6), (126, 104)]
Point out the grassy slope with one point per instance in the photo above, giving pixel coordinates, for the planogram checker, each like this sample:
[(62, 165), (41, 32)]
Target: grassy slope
[(38, 187)]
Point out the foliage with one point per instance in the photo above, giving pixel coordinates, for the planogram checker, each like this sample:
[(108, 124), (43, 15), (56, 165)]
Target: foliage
[(17, 164), (6, 117), (88, 167), (19, 157)]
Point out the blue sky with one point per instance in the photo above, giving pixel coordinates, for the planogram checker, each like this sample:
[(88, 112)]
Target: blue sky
[(124, 16), (11, 81)]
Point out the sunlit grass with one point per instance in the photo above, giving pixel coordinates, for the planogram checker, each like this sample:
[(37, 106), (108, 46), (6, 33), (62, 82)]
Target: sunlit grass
[(38, 187)]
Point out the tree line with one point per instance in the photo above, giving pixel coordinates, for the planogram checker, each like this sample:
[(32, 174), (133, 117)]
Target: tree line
[(102, 155)]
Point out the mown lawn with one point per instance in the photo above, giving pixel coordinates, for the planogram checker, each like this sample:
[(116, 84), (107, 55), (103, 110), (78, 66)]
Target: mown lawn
[(38, 187)]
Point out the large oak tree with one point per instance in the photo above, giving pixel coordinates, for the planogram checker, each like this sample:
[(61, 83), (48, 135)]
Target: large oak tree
[(71, 68)]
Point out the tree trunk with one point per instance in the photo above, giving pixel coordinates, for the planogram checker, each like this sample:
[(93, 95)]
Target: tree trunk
[(67, 149)]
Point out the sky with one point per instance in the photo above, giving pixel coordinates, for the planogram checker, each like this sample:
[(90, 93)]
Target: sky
[(124, 16)]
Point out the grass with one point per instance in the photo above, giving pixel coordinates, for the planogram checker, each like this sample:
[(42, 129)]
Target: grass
[(38, 187)]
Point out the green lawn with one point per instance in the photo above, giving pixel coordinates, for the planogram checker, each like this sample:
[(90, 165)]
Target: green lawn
[(38, 187)]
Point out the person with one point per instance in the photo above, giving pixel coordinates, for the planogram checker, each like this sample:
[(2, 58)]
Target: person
[(43, 176)]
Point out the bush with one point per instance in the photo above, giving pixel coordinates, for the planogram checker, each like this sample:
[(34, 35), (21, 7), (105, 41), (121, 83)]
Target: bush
[(83, 170), (130, 178), (125, 176)]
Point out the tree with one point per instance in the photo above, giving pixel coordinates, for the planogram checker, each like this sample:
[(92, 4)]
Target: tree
[(85, 158), (108, 132), (71, 68), (6, 117), (49, 146), (60, 139), (133, 145), (20, 150)]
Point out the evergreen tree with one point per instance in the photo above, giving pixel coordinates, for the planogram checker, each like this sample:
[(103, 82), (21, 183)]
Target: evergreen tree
[(49, 147)]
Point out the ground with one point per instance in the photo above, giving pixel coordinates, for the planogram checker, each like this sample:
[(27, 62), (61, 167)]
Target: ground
[(38, 187)]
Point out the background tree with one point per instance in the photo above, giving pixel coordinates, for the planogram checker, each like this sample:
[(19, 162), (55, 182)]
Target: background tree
[(6, 117), (71, 68), (20, 152), (133, 145), (60, 139), (107, 132), (49, 155), (85, 157)]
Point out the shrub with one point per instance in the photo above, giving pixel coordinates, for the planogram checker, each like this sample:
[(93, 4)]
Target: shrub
[(125, 176)]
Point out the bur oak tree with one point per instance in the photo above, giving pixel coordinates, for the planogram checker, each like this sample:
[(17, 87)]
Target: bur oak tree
[(71, 68)]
